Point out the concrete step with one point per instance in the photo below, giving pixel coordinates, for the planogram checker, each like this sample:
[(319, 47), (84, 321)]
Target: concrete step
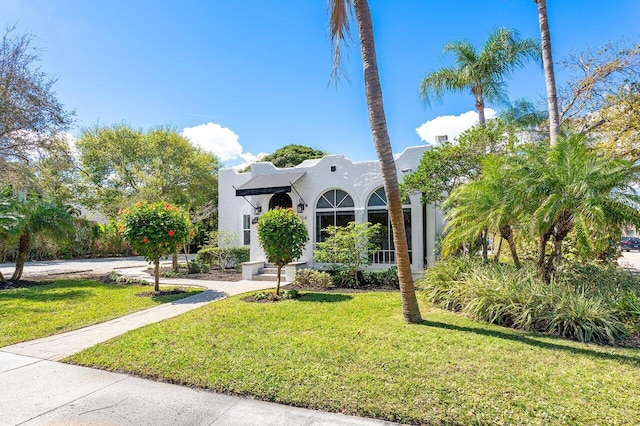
[(266, 277), (268, 270)]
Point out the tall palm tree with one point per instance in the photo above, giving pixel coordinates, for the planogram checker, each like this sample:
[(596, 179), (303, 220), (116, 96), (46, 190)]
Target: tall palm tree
[(339, 30), (549, 75), (483, 72), (40, 217)]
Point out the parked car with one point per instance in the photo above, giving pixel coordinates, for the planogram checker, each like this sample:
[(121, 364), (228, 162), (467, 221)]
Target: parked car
[(629, 243)]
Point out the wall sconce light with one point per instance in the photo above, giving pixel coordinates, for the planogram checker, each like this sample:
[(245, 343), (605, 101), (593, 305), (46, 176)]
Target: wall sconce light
[(333, 168), (301, 207), (254, 221), (257, 209)]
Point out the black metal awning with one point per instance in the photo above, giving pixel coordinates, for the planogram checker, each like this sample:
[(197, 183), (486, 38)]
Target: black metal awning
[(269, 184)]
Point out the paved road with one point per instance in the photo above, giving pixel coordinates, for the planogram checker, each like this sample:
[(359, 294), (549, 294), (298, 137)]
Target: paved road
[(630, 259), (51, 268)]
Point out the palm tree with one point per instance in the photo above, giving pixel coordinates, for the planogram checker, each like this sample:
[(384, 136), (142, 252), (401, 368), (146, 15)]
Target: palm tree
[(9, 219), (482, 205), (571, 185), (339, 30), (481, 72), (40, 217), (549, 75)]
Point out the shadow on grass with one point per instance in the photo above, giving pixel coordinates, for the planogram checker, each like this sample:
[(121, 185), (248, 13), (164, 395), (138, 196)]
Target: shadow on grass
[(46, 293), (635, 360), (324, 297)]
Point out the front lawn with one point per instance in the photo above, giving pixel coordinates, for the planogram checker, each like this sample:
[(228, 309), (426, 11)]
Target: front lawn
[(352, 353), (64, 305)]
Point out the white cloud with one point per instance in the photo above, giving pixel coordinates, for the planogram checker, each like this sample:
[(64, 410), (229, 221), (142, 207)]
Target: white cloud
[(450, 125), (212, 137)]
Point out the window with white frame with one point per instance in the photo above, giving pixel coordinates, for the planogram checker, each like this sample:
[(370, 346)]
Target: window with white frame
[(334, 208), (377, 212), (246, 229)]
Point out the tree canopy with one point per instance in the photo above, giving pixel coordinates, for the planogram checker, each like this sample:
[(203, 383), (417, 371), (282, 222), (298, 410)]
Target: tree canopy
[(31, 117), (121, 165), (291, 155)]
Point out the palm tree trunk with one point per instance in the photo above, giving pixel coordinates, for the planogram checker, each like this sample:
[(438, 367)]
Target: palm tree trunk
[(23, 253), (378, 123), (477, 94), (540, 263), (484, 241), (156, 274), (549, 75), (278, 280), (496, 254)]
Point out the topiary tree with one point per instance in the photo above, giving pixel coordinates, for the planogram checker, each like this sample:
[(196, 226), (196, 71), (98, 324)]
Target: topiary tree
[(154, 230), (282, 235)]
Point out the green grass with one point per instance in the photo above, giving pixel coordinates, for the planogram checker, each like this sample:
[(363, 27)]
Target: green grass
[(352, 353), (64, 305)]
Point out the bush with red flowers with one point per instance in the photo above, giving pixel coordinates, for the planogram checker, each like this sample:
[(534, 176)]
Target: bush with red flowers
[(154, 230)]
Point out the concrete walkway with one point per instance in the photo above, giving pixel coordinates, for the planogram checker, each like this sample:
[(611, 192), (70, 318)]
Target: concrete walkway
[(39, 391)]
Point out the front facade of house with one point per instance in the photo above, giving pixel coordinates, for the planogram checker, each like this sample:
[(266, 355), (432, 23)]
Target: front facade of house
[(332, 190)]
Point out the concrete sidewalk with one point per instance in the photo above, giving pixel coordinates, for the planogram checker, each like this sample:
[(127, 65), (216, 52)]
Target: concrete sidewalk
[(39, 392)]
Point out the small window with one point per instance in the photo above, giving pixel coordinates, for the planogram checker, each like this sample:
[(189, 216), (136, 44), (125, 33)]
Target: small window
[(246, 229)]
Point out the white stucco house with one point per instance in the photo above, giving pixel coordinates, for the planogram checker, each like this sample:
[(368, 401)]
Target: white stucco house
[(332, 190)]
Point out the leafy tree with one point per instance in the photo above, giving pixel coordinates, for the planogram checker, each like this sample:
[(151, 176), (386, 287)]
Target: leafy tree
[(122, 165), (595, 75), (31, 118), (291, 155), (339, 24), (549, 75), (483, 72), (443, 168), (155, 230), (618, 135), (349, 247), (38, 216), (282, 235)]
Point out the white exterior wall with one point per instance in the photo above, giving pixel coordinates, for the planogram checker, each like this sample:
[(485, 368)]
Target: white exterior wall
[(358, 179)]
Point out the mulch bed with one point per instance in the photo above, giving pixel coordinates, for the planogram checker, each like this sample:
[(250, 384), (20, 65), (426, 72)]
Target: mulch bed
[(230, 275)]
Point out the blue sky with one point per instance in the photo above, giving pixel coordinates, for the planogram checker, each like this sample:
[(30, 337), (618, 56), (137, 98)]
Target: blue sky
[(248, 76)]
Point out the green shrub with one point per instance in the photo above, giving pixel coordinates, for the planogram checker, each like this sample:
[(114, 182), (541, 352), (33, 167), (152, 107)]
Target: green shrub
[(239, 256), (381, 278), (310, 278), (194, 267), (290, 294), (344, 278), (233, 257), (583, 302)]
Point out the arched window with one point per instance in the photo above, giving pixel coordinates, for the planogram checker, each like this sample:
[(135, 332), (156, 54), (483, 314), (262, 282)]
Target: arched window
[(377, 212), (280, 200), (335, 207)]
